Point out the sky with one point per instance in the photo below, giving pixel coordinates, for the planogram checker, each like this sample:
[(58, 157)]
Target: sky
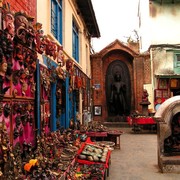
[(116, 19)]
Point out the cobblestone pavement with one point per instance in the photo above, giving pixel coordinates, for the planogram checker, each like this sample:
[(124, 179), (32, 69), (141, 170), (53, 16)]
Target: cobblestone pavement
[(137, 158)]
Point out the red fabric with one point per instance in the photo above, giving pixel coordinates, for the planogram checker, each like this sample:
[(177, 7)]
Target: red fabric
[(129, 119), (143, 120), (140, 120), (88, 140)]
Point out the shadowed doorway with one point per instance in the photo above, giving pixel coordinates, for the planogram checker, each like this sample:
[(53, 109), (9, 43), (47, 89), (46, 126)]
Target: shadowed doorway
[(118, 91)]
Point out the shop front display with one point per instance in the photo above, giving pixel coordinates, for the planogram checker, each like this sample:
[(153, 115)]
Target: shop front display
[(45, 98), (58, 155), (84, 171), (168, 86), (39, 100), (92, 161), (17, 69)]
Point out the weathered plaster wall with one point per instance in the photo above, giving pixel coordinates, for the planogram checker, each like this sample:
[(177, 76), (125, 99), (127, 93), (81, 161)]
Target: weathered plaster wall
[(164, 23), (163, 61)]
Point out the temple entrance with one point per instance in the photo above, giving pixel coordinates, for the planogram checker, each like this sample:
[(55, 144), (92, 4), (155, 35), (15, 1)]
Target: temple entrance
[(118, 91)]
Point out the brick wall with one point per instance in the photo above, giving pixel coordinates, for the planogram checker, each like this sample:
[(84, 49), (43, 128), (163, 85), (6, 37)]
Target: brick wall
[(28, 6), (139, 70), (138, 82)]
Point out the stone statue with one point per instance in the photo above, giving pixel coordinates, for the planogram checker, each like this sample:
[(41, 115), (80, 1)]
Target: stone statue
[(145, 96), (118, 96), (145, 103)]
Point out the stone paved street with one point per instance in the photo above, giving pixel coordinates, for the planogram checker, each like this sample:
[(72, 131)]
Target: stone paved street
[(137, 159)]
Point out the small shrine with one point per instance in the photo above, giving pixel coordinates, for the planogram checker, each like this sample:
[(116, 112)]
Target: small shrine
[(145, 103)]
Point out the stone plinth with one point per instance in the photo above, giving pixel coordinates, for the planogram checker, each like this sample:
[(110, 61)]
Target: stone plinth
[(145, 105), (170, 164)]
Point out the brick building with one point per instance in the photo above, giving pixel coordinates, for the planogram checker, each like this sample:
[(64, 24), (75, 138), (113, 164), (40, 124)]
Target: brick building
[(29, 7), (135, 71)]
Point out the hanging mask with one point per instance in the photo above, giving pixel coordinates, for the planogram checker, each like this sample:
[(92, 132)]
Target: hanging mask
[(7, 110)]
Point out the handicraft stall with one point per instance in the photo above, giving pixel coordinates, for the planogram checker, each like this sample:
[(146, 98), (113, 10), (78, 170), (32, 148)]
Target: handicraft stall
[(92, 161), (18, 65), (28, 149)]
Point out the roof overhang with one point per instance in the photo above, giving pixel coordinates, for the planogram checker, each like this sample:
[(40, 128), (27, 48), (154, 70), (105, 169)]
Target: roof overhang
[(167, 76), (165, 1), (87, 12)]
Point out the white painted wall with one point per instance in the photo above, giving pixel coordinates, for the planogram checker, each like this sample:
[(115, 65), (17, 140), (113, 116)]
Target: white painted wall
[(163, 61), (159, 24), (165, 23), (144, 25)]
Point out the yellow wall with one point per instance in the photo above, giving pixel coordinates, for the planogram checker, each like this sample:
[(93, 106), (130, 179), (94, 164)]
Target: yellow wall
[(69, 11)]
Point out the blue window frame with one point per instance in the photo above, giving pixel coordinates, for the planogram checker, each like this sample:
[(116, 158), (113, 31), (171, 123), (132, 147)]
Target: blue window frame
[(75, 41), (177, 63), (56, 19)]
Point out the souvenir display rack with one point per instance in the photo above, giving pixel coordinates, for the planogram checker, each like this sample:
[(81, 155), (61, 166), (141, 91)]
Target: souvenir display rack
[(57, 156), (28, 148), (92, 161)]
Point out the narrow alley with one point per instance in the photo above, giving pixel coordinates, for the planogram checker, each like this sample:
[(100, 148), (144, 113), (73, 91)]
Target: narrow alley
[(137, 158)]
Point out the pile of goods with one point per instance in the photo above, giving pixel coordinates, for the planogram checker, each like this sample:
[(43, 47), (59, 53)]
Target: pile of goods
[(86, 172), (108, 144), (48, 159), (94, 153)]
